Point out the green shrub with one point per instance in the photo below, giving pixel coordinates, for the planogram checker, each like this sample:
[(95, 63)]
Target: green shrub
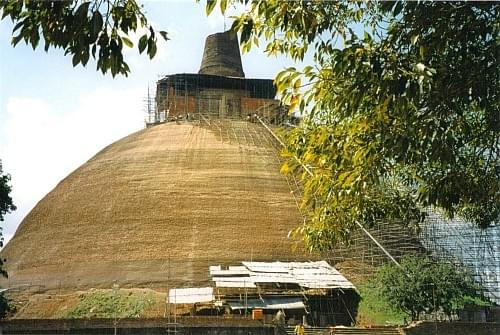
[(111, 305), (423, 285), (5, 306)]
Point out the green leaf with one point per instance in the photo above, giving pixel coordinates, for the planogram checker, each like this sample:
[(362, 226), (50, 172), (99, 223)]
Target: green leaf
[(127, 42), (143, 42), (16, 39), (34, 38), (82, 11), (210, 6), (223, 6), (246, 31), (397, 8), (297, 84), (164, 35), (414, 39), (255, 41), (152, 51), (368, 37), (95, 25), (343, 176), (17, 26), (359, 14), (422, 51), (294, 101), (85, 58), (76, 59)]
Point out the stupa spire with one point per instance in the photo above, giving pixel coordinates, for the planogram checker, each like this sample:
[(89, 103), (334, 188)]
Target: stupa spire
[(222, 56)]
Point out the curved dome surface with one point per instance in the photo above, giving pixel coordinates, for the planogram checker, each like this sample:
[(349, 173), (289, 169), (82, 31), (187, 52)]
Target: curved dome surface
[(158, 206)]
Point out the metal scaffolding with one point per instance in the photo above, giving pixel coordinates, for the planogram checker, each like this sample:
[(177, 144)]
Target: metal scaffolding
[(198, 96), (466, 245), (456, 241)]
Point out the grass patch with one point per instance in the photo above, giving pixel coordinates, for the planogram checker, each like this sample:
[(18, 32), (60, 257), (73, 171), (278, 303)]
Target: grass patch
[(375, 310), (109, 304)]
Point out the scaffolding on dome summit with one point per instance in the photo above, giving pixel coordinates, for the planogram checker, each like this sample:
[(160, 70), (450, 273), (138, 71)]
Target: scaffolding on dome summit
[(189, 96)]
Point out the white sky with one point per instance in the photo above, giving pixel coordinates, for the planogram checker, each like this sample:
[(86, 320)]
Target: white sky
[(54, 117)]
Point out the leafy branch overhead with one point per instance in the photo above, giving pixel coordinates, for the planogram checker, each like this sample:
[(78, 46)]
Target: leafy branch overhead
[(400, 108), (82, 29)]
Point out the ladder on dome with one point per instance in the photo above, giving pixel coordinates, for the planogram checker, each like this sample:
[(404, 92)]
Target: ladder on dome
[(171, 328)]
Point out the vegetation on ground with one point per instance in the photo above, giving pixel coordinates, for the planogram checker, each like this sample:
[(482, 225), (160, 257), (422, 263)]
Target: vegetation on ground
[(375, 309), (423, 285), (111, 304)]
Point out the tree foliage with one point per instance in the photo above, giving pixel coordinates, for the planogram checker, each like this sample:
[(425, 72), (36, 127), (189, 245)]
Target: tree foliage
[(422, 285), (400, 117), (82, 29), (6, 206), (5, 306)]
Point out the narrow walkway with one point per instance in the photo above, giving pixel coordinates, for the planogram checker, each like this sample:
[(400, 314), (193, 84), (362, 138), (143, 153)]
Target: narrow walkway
[(348, 331)]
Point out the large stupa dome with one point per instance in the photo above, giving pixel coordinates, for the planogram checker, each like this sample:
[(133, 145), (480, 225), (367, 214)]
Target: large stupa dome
[(159, 206)]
